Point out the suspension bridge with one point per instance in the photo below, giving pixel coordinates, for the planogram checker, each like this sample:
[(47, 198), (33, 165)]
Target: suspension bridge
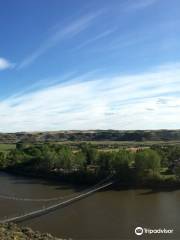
[(51, 207)]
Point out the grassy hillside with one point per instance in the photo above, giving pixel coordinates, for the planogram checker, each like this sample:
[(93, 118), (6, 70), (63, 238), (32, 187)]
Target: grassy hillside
[(95, 135)]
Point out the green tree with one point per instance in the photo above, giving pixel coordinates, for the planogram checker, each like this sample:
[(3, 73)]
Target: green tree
[(120, 164), (163, 153), (2, 160), (104, 161), (65, 158), (47, 160), (90, 153), (20, 146), (79, 161), (177, 172), (147, 161)]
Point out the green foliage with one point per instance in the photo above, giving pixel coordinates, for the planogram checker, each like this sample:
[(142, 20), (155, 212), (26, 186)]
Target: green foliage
[(15, 157), (90, 153), (120, 162), (86, 162), (66, 158), (147, 161), (2, 160), (173, 153), (20, 146), (168, 154), (79, 162), (177, 172), (104, 161)]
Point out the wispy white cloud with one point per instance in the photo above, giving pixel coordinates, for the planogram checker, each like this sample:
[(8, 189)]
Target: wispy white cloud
[(5, 64), (122, 43), (143, 38), (139, 4), (96, 38), (72, 29), (148, 100)]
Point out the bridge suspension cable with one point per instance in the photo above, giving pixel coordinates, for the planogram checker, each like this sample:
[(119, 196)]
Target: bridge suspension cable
[(40, 212), (16, 198)]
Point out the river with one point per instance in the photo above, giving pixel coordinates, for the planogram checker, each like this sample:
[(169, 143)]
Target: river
[(108, 214)]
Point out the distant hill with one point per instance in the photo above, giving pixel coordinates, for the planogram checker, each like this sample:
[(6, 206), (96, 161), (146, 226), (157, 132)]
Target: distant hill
[(95, 135)]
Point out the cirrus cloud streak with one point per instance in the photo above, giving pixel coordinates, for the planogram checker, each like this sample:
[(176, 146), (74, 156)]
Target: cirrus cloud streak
[(149, 100)]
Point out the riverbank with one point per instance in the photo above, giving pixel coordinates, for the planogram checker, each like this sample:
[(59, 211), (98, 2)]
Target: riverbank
[(12, 231), (77, 179), (87, 166), (81, 182)]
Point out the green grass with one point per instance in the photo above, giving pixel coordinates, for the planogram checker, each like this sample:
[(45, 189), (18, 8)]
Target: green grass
[(120, 143), (6, 147), (165, 174)]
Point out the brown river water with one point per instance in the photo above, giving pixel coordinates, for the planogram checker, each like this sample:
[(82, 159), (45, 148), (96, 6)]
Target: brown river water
[(108, 214)]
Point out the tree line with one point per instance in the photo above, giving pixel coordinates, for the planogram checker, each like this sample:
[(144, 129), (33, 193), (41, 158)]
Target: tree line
[(124, 165)]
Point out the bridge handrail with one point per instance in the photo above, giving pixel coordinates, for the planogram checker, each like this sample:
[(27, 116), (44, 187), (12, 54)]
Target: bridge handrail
[(15, 198), (54, 206)]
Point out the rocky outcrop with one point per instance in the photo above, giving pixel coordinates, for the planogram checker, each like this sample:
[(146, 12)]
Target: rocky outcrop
[(12, 232)]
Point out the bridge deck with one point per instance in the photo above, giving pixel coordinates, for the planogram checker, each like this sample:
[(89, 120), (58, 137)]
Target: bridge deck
[(54, 206)]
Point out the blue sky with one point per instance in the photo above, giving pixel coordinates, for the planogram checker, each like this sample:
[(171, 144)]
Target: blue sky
[(89, 64)]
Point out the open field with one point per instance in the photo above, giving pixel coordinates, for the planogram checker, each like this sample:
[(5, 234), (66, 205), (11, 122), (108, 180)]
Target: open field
[(6, 147), (119, 144), (101, 145)]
